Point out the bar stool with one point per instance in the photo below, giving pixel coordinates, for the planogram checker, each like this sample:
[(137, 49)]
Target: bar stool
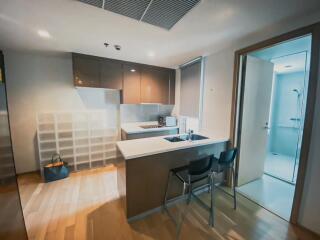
[(189, 175), (225, 163)]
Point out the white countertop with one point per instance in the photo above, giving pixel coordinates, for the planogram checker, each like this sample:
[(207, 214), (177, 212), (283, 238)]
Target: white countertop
[(148, 146), (135, 127)]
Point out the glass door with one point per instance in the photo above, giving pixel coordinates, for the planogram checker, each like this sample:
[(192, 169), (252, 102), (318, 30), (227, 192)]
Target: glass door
[(287, 115)]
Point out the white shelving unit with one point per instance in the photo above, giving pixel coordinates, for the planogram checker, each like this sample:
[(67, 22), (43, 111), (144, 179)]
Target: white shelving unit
[(83, 139)]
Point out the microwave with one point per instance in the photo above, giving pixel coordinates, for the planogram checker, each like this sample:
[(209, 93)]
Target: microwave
[(170, 121), (167, 121)]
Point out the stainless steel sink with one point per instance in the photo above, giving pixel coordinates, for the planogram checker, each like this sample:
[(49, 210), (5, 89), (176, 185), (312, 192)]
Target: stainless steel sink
[(174, 139), (194, 137)]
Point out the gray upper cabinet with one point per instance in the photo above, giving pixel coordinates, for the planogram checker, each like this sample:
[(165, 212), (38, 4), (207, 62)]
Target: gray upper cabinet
[(155, 85), (172, 89), (138, 83), (86, 70), (131, 93), (111, 74)]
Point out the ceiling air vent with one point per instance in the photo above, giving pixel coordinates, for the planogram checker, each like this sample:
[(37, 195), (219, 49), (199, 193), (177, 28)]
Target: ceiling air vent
[(161, 13), (166, 14), (129, 8), (96, 3)]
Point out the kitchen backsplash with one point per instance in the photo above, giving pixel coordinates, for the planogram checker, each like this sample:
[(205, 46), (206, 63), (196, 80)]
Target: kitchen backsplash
[(143, 112)]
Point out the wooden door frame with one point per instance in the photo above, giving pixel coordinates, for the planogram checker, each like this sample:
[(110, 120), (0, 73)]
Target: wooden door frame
[(314, 77)]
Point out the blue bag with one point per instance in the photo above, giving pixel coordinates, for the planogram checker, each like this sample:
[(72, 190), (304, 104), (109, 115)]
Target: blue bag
[(57, 169)]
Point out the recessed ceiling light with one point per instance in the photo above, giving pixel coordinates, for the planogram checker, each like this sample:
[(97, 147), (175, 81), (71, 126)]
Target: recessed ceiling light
[(151, 54), (288, 66), (44, 34), (132, 70)]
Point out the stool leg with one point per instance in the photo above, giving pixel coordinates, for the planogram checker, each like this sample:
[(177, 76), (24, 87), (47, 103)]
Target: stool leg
[(211, 218), (234, 189), (209, 184), (189, 194), (167, 190), (186, 186)]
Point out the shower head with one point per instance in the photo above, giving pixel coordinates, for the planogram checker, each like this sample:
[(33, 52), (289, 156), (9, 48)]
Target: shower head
[(297, 91)]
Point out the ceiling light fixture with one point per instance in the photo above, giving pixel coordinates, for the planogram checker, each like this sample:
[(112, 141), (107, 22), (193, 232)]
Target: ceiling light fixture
[(151, 54), (44, 34), (132, 70)]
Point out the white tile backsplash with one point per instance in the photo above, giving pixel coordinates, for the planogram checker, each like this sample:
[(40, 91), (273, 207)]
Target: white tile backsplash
[(143, 112)]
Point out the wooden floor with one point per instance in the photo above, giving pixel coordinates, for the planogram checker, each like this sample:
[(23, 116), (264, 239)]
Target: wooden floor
[(86, 206)]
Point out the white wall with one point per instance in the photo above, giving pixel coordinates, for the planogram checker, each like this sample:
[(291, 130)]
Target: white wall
[(217, 94), (217, 100), (37, 83)]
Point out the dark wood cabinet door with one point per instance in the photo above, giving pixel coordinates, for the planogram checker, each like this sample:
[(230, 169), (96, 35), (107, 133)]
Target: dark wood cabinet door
[(155, 85), (111, 74), (139, 83), (131, 84), (86, 70), (172, 94)]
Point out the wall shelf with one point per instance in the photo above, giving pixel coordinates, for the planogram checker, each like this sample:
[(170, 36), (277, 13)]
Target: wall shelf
[(79, 137)]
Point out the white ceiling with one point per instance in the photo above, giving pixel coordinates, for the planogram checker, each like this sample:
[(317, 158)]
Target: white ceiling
[(78, 27), (291, 63), (290, 56)]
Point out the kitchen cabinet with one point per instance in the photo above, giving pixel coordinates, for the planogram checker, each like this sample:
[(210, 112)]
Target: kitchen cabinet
[(138, 83), (111, 74), (155, 85), (172, 89), (131, 84), (86, 70)]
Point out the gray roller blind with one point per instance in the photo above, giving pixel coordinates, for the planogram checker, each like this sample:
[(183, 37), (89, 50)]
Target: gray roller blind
[(190, 89)]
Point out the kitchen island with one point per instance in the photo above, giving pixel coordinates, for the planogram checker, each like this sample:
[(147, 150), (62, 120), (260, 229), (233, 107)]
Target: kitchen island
[(142, 176)]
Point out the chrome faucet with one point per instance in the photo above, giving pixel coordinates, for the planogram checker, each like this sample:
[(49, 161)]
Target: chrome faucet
[(190, 132)]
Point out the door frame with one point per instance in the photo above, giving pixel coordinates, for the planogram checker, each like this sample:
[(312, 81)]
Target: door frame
[(238, 95), (2, 66)]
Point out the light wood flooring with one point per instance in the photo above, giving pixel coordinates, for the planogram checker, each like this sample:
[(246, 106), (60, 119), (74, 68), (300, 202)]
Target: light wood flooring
[(86, 206)]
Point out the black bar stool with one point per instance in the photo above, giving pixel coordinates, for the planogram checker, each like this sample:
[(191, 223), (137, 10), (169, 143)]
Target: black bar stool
[(189, 175), (225, 163)]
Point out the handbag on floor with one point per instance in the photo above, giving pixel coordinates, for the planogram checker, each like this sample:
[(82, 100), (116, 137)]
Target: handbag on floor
[(57, 169)]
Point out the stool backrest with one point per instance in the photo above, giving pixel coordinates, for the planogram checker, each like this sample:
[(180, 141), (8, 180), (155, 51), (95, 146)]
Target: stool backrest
[(200, 166), (228, 157)]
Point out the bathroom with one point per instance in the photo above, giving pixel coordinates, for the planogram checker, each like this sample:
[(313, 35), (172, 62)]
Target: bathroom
[(283, 70)]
